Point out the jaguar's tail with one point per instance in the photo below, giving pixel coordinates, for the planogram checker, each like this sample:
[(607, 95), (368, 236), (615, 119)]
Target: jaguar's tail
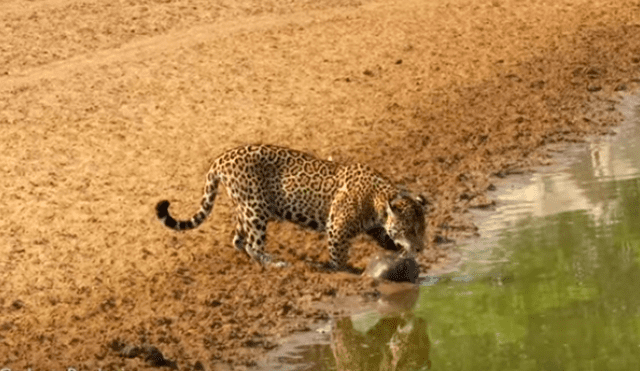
[(209, 197)]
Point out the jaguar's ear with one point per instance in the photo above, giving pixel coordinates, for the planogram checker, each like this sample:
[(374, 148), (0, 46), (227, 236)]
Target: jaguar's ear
[(391, 209), (423, 202)]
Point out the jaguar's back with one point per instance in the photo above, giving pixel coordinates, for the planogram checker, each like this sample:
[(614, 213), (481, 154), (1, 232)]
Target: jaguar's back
[(278, 183)]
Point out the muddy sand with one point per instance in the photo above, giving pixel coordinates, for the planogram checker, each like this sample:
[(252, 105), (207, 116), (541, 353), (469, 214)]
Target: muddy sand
[(108, 107)]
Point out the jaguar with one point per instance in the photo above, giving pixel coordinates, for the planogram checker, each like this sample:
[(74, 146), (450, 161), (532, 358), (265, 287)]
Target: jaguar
[(271, 183)]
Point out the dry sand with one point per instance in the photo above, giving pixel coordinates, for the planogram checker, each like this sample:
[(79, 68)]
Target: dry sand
[(107, 107)]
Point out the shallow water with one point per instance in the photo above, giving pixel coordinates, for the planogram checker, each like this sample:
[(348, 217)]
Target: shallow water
[(553, 284)]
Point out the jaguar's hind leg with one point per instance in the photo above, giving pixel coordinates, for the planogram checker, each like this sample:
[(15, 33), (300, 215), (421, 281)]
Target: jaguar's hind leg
[(256, 241), (239, 238)]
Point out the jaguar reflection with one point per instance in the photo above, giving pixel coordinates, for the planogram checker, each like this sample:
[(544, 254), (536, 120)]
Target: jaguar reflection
[(391, 343)]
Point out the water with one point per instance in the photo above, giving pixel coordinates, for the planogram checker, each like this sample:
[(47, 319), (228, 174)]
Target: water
[(554, 284)]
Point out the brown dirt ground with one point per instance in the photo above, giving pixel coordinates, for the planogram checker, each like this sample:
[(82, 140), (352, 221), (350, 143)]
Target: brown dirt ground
[(107, 107)]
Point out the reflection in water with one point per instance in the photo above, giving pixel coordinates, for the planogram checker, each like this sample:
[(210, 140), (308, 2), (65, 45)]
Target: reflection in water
[(584, 185), (571, 303), (392, 343), (391, 338), (396, 298)]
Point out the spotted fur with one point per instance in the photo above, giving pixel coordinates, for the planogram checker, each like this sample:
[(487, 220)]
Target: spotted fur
[(267, 182)]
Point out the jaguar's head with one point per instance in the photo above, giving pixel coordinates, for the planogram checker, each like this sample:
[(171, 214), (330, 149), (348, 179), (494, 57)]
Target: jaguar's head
[(405, 222)]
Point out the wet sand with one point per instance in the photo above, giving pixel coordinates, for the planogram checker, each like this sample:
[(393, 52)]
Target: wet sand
[(107, 108)]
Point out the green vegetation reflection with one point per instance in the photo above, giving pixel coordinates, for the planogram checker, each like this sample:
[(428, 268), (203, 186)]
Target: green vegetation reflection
[(568, 299)]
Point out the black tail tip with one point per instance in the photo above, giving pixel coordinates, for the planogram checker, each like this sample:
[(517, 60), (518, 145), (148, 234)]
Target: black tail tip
[(162, 209)]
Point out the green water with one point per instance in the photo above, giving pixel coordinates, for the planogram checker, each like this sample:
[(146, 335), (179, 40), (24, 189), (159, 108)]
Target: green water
[(569, 299), (553, 285)]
